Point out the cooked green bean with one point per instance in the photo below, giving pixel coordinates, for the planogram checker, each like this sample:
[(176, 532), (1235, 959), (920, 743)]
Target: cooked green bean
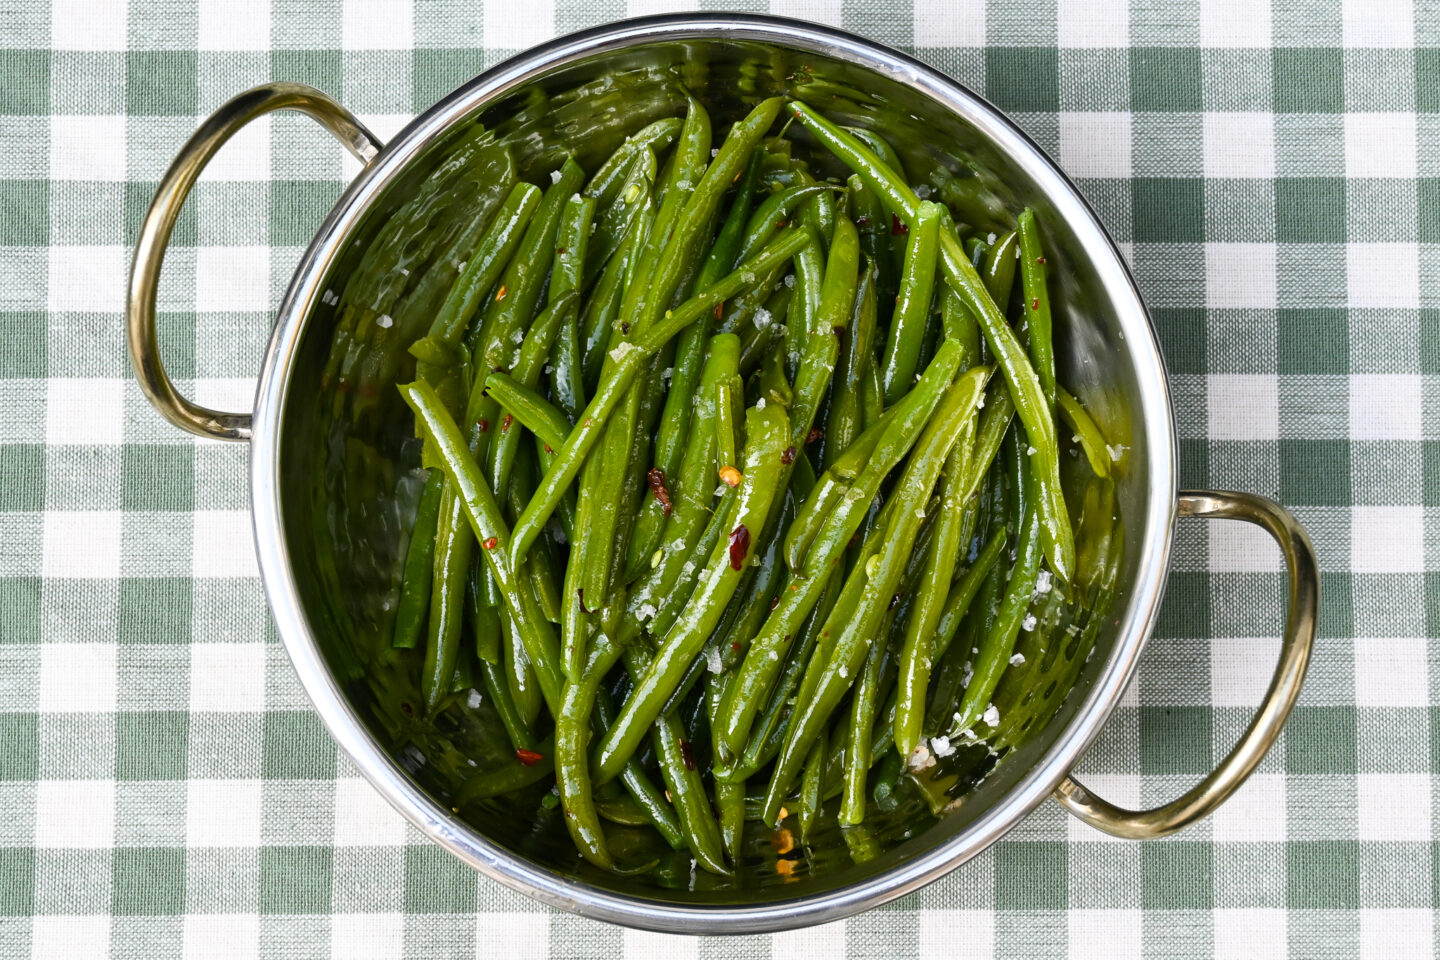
[(1091, 440), (414, 599), (1037, 303), (450, 566), (912, 309)]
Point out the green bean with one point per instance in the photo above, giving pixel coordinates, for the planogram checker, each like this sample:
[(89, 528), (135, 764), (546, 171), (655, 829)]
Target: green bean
[(484, 619), (485, 520), (410, 610), (519, 675), (875, 226), (962, 594), (845, 418), (730, 800), (1025, 389), (690, 348), (808, 809), (450, 566), (862, 718), (997, 412), (535, 413), (869, 590), (887, 781), (497, 687), (610, 178), (684, 782), (617, 216), (917, 283), (529, 768), (838, 477), (809, 280), (572, 240), (484, 265), (998, 643), (766, 330), (1037, 303), (766, 430), (671, 587), (572, 736), (628, 362), (1091, 440), (997, 271), (640, 787), (880, 146), (773, 213), (837, 295), (762, 663)]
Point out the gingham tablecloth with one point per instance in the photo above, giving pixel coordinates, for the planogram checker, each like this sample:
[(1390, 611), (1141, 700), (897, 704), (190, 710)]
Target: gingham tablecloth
[(1273, 174)]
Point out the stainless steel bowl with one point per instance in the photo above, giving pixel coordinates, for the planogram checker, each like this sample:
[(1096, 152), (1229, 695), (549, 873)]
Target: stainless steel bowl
[(315, 566)]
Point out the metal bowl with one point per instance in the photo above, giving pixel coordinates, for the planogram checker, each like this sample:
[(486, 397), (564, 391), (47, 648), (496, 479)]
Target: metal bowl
[(326, 539)]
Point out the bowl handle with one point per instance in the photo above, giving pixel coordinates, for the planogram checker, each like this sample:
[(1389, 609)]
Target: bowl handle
[(1263, 731), (160, 221)]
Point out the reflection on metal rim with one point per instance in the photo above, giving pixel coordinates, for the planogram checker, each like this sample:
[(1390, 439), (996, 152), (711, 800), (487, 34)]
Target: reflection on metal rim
[(1155, 527)]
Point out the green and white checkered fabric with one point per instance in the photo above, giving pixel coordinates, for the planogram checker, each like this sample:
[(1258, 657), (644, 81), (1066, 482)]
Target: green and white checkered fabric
[(1271, 170)]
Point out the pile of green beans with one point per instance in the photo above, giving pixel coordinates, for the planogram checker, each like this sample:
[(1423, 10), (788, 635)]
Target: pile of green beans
[(720, 456)]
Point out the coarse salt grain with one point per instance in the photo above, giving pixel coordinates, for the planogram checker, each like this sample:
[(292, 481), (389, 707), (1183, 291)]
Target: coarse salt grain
[(712, 660), (1116, 452), (1028, 623), (384, 322), (990, 238), (762, 318), (1018, 659), (790, 280), (921, 758), (941, 746), (621, 349), (1030, 451), (1042, 583), (760, 404), (991, 717), (554, 176)]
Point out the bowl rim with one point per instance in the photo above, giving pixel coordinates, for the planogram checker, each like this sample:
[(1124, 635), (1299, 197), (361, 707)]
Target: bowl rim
[(514, 871)]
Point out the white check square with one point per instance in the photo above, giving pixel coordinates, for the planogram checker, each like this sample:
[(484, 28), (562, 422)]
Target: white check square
[(86, 25), (1239, 145), (1377, 23), (1240, 669), (1240, 275), (1380, 145), (1383, 275), (234, 25), (82, 544), (521, 936), (1394, 807), (84, 410), (224, 546), (1244, 934), (245, 158), (645, 944), (89, 148), (77, 678), (825, 942), (949, 23), (87, 279), (227, 677), (1391, 672), (75, 814), (363, 818), (232, 279), (1397, 934), (831, 12), (1242, 406), (367, 936), (237, 935), (378, 24), (1096, 144), (1234, 23), (71, 937), (222, 813), (953, 935), (1105, 934), (1387, 406), (515, 26), (1093, 23), (1387, 539), (1256, 813)]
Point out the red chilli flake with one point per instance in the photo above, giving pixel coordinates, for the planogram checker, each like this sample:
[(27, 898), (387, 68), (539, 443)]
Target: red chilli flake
[(814, 436), (774, 602), (491, 543), (528, 757), (483, 424), (897, 226), (739, 546), (1035, 304), (505, 424), (500, 294), (687, 753), (547, 449), (788, 457), (1039, 259), (719, 310), (656, 478)]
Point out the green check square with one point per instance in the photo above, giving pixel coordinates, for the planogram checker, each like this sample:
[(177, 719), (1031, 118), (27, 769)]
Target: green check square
[(22, 465), (295, 879), (162, 83), (1177, 875), (437, 72), (1315, 472), (1430, 471), (1428, 209), (1176, 740), (1169, 209), (138, 195), (1166, 79), (1310, 210), (1032, 875), (158, 476), (24, 213), (148, 881), (151, 745), (437, 882), (1321, 740), (1429, 340), (25, 346), (1182, 337), (1427, 87), (1194, 463), (19, 746), (20, 609), (296, 747), (319, 68), (1322, 874), (1309, 79), (155, 609), (1023, 78), (1432, 613), (1312, 340), (17, 892), (26, 89), (1185, 614), (1337, 604), (297, 207)]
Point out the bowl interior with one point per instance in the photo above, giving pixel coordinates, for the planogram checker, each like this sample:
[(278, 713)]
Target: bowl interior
[(345, 448)]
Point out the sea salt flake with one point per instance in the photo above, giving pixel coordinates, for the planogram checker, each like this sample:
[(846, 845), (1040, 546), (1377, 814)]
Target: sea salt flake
[(762, 318), (1031, 451), (981, 403), (712, 660), (941, 746), (621, 349), (1028, 623), (554, 176), (720, 490), (329, 298), (1116, 452), (990, 238), (1042, 583), (646, 611), (760, 404), (774, 655), (923, 191), (790, 280), (384, 322), (472, 700), (921, 759), (844, 674), (1018, 659), (991, 717)]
